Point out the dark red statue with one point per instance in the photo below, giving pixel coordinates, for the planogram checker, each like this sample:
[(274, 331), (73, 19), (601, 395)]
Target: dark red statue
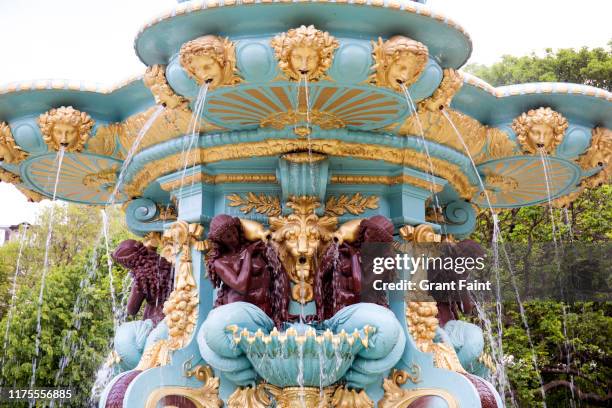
[(345, 276), (152, 278), (247, 271)]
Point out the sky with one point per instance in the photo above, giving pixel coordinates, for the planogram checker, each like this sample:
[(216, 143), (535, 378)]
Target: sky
[(93, 41)]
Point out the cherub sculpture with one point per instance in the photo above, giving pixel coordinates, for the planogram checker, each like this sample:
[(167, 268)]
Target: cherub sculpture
[(398, 62), (304, 52), (210, 60), (540, 129), (66, 128)]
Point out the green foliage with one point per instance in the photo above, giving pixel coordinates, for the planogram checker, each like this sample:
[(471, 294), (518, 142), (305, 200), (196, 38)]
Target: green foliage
[(76, 318), (583, 66)]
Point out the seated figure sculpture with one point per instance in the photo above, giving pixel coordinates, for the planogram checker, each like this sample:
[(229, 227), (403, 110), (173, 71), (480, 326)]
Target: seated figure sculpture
[(253, 293), (152, 283)]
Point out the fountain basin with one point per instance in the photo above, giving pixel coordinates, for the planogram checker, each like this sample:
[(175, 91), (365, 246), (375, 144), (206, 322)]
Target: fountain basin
[(309, 358)]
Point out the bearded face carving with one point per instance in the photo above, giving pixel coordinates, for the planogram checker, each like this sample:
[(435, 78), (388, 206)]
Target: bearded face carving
[(540, 130), (66, 128), (301, 239)]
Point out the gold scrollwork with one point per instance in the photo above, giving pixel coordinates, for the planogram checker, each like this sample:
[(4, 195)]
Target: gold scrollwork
[(262, 203), (336, 206), (398, 62), (350, 398), (9, 151), (181, 307), (205, 397), (397, 397), (65, 127), (304, 52), (155, 79)]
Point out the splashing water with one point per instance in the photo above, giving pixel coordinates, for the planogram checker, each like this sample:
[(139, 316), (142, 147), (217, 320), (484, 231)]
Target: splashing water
[(193, 131), (22, 240), (59, 161), (300, 376), (496, 236)]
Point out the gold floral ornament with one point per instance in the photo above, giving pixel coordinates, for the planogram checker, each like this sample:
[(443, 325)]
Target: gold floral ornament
[(540, 129), (181, 307), (398, 62), (599, 154), (155, 80), (9, 151), (304, 52), (300, 237), (65, 127), (210, 60)]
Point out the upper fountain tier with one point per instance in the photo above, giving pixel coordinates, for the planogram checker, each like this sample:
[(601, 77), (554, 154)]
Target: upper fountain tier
[(333, 86), (449, 44)]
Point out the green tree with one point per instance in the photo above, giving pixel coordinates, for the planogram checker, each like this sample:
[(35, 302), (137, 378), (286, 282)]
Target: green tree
[(583, 66)]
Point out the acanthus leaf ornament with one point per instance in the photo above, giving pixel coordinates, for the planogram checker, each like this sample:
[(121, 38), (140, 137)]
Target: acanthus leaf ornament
[(262, 203), (443, 96), (65, 127), (249, 397), (599, 154), (540, 129), (9, 151), (304, 52), (397, 397), (336, 206), (398, 62), (210, 60), (349, 398)]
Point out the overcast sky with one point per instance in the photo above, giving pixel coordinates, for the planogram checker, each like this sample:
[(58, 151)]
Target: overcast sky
[(93, 41)]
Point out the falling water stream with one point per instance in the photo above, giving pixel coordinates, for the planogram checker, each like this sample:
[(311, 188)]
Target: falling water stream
[(496, 234), (22, 240), (59, 161)]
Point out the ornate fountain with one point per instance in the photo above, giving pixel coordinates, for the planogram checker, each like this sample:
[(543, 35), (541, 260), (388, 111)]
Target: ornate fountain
[(265, 146)]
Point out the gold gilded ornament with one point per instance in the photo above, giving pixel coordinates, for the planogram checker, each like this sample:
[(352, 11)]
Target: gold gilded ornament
[(181, 307), (249, 397), (397, 397), (155, 79), (103, 180), (210, 60), (324, 120), (304, 52), (292, 397), (205, 397), (300, 237), (348, 398), (9, 151), (31, 195), (156, 355), (262, 203), (452, 81), (336, 206), (599, 154), (8, 177), (398, 62), (65, 127), (540, 129)]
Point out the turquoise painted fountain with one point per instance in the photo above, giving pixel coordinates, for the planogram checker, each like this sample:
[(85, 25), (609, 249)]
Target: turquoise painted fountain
[(267, 144)]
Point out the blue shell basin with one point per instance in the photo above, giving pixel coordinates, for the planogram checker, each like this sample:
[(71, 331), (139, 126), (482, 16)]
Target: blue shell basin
[(301, 355)]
